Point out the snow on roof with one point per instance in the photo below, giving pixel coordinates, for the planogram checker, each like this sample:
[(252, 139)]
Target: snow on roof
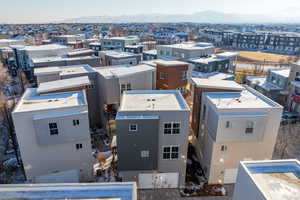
[(45, 47), (86, 191), (277, 179), (228, 54), (248, 98), (80, 51), (191, 46), (63, 84), (58, 58), (217, 84), (63, 70), (122, 70), (117, 54), (153, 100), (282, 72), (152, 52), (31, 100), (173, 63)]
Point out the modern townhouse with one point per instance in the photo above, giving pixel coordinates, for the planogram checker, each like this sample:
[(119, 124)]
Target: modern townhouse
[(109, 58), (150, 54), (236, 126), (136, 49), (93, 94), (294, 88), (172, 75), (274, 85), (152, 127), (200, 86), (185, 51), (118, 43), (114, 80), (87, 191), (68, 39), (268, 180), (53, 134)]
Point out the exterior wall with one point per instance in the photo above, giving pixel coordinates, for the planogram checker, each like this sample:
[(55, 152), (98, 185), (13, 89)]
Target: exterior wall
[(293, 99), (165, 166), (132, 143), (245, 185), (173, 78), (47, 158)]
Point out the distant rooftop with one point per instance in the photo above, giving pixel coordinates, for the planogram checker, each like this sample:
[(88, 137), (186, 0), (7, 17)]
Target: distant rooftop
[(84, 191), (64, 70), (217, 84), (170, 63), (152, 52), (32, 101), (117, 54), (154, 100), (191, 46), (277, 180), (248, 98), (45, 47), (52, 86), (124, 38), (58, 58), (122, 70)]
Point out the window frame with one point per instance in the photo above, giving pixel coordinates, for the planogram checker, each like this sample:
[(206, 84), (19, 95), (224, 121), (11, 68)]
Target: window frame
[(76, 122), (171, 128), (249, 128), (162, 75), (53, 130), (147, 155), (224, 148), (230, 124), (130, 126), (170, 152), (79, 146)]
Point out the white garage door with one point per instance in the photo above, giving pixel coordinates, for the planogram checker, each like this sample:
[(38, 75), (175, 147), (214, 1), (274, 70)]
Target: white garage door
[(230, 176), (158, 180)]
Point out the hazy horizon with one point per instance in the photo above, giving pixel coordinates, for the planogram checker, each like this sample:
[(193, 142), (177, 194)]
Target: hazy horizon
[(34, 11)]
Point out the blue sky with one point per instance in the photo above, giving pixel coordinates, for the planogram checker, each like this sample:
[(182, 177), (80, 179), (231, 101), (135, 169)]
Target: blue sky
[(50, 10)]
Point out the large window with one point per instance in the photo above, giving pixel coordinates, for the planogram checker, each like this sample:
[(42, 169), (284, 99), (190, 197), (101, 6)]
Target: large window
[(133, 127), (249, 127), (53, 129), (125, 87), (171, 128), (170, 152)]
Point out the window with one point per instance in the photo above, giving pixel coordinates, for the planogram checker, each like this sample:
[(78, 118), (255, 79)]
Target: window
[(145, 154), (250, 127), (184, 75), (75, 122), (228, 124), (204, 113), (91, 86), (133, 127), (170, 152), (162, 75), (125, 87), (171, 128), (78, 146), (223, 148), (53, 129)]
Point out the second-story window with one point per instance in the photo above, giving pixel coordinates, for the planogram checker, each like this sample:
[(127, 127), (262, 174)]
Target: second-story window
[(78, 146), (133, 127), (125, 87), (228, 124), (172, 128), (162, 75), (249, 127), (75, 122), (170, 152), (224, 147), (53, 129)]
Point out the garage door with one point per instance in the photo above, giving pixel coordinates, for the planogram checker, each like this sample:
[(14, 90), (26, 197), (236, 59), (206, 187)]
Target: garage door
[(230, 176), (158, 180)]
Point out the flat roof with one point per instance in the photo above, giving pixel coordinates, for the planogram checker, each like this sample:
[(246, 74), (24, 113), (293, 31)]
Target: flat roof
[(217, 84), (191, 46), (79, 191), (58, 58), (31, 100), (171, 63), (152, 52), (282, 72), (63, 84), (45, 47), (122, 70), (248, 98), (117, 54), (64, 70), (277, 180), (154, 100), (123, 38)]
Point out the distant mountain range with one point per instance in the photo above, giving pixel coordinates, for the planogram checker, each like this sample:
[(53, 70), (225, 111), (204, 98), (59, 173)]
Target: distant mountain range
[(199, 17)]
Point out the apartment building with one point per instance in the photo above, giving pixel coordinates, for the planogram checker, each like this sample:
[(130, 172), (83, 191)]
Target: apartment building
[(199, 87), (25, 54), (172, 75), (53, 135), (114, 80), (152, 127), (185, 51), (109, 58), (93, 94), (294, 88), (150, 55), (136, 49), (118, 43), (268, 180), (87, 191), (236, 126), (223, 62), (274, 85)]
